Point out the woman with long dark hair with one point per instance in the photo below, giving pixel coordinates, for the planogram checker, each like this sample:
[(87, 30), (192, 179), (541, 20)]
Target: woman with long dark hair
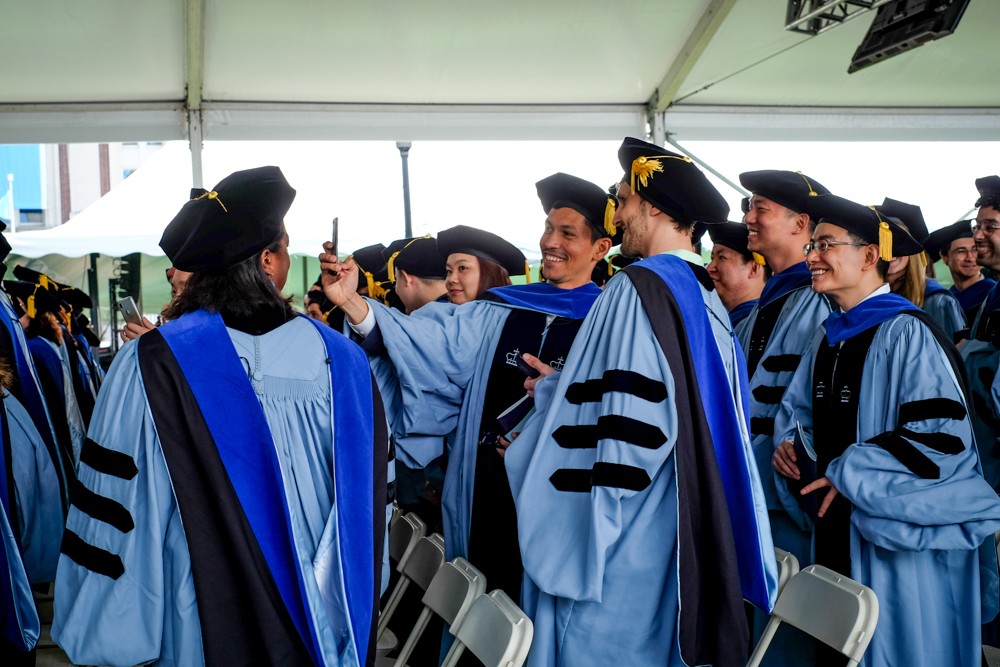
[(235, 467)]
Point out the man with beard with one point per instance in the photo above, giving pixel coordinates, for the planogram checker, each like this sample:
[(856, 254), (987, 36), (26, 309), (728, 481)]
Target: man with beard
[(639, 506)]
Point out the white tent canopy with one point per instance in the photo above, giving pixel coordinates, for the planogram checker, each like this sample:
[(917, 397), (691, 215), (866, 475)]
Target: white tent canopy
[(110, 70)]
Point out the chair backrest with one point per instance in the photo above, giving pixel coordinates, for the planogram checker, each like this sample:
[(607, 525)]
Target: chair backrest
[(834, 609), (496, 631), (788, 567), (405, 534), (452, 591), (424, 560)]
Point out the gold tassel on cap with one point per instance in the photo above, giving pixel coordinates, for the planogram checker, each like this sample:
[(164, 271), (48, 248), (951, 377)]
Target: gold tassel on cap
[(884, 241), (527, 272), (391, 266), (812, 193), (29, 307), (759, 258), (609, 217), (644, 167), (213, 195)]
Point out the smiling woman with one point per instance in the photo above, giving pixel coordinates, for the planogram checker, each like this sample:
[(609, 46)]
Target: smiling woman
[(477, 261)]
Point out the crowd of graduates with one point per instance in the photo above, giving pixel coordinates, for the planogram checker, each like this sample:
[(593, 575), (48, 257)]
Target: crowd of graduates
[(618, 443)]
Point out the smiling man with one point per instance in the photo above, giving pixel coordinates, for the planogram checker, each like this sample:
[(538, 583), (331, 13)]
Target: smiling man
[(955, 246), (878, 396), (456, 367), (982, 351)]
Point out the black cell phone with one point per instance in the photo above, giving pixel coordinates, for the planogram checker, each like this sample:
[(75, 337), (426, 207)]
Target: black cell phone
[(334, 234), (130, 311), (527, 368)]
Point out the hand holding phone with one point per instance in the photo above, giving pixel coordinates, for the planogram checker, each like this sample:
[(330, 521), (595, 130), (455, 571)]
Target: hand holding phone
[(130, 311)]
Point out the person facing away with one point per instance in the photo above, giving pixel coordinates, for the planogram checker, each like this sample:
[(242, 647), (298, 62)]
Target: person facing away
[(233, 479), (880, 411), (457, 365), (635, 550)]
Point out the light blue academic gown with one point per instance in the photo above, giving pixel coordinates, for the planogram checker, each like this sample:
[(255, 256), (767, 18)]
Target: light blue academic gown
[(601, 568), (941, 305), (74, 418), (925, 546), (802, 313), (441, 358), (36, 486), (150, 614)]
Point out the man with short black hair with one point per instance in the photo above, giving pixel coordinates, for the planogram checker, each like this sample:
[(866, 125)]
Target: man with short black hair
[(881, 418)]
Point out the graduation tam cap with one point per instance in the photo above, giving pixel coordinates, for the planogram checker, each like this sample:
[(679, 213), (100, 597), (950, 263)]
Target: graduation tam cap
[(371, 264), (484, 245), (866, 222), (237, 219), (417, 256), (71, 295), (671, 182), (620, 261), (939, 241), (733, 235), (791, 189), (84, 328), (989, 191), (594, 204), (36, 298), (4, 245), (910, 214)]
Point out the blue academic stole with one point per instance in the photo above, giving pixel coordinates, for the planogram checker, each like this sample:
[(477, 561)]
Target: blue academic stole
[(236, 421), (722, 420)]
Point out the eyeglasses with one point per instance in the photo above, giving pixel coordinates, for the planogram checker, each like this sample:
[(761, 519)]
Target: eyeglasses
[(823, 245), (963, 252), (987, 227)]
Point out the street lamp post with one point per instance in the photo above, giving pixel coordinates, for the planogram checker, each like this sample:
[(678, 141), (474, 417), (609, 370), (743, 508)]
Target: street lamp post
[(404, 153)]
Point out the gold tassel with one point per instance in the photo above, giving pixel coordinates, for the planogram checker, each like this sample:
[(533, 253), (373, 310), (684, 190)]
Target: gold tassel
[(643, 168), (611, 268), (213, 195), (812, 193), (527, 273), (29, 307), (609, 217), (884, 241), (391, 265), (371, 282), (759, 259)]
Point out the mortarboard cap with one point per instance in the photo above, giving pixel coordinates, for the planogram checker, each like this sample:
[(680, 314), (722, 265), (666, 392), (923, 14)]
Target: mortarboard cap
[(71, 295), (37, 299), (589, 200), (733, 235), (417, 256), (620, 261), (671, 182), (791, 189), (484, 245), (222, 227), (910, 215), (891, 238), (371, 263), (989, 192), (939, 241)]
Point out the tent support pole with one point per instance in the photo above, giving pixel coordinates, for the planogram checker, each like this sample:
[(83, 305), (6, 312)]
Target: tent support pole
[(195, 142), (95, 293), (707, 167)]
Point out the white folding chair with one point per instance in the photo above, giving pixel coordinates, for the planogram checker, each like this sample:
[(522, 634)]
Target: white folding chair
[(450, 595), (495, 630), (834, 609), (419, 567), (788, 567), (404, 533)]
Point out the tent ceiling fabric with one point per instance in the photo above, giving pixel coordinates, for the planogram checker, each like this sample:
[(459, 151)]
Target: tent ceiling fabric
[(329, 69)]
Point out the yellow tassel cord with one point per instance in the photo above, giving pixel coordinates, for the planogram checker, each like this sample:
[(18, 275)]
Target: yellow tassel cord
[(527, 272), (213, 195), (759, 259), (391, 265), (644, 167), (29, 307), (884, 241), (609, 217), (812, 193), (611, 269)]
